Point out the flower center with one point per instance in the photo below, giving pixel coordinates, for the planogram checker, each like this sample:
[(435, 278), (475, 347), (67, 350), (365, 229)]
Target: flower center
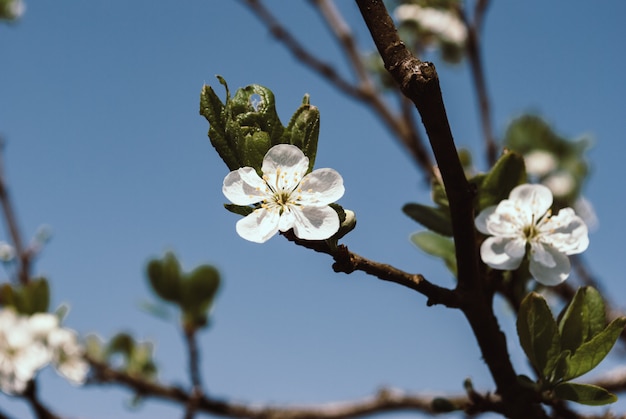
[(529, 232), (283, 198)]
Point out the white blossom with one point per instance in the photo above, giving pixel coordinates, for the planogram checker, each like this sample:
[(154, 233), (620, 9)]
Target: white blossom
[(288, 198), (29, 343), (17, 8), (21, 353), (523, 224), (7, 252), (539, 162), (68, 357), (440, 22), (561, 183)]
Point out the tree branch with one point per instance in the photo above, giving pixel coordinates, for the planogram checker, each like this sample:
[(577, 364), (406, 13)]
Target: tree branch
[(23, 254), (194, 371), (384, 401), (419, 82), (348, 262), (41, 411)]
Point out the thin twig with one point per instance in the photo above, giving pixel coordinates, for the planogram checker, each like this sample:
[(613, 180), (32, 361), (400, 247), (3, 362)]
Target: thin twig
[(23, 254), (41, 410), (284, 36), (474, 53), (348, 262), (342, 33), (362, 91), (194, 371)]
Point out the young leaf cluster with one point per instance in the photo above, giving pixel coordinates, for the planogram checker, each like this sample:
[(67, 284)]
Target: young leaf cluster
[(192, 292), (134, 358), (33, 297), (567, 347), (244, 128)]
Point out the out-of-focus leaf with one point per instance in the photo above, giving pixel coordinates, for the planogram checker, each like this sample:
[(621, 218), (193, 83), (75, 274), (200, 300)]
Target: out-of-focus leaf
[(507, 173), (434, 219), (584, 394), (437, 245)]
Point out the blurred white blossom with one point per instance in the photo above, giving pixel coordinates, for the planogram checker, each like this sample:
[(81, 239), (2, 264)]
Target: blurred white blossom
[(539, 162), (16, 8), (440, 22), (561, 183), (29, 343), (524, 222), (7, 252)]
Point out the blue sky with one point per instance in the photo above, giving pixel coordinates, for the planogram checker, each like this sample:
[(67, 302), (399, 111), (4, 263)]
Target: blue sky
[(99, 110)]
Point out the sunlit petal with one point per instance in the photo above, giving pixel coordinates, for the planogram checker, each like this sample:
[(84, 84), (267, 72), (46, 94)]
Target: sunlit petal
[(285, 157), (493, 252), (259, 226), (555, 271), (321, 187), (244, 187), (315, 223), (566, 232), (536, 198)]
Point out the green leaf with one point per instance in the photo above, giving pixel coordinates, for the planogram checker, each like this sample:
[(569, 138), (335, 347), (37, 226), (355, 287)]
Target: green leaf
[(164, 276), (198, 291), (239, 209), (592, 352), (582, 318), (34, 297), (571, 328), (200, 286), (38, 292), (303, 130), (560, 368), (596, 311), (584, 394), (439, 194), (122, 343), (508, 172), (437, 245), (435, 219), (538, 334), (212, 108), (253, 148)]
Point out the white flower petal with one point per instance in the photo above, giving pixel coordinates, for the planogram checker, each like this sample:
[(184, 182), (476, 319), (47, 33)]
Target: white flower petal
[(74, 369), (507, 220), (321, 187), (540, 253), (548, 270), (315, 223), (41, 324), (566, 232), (501, 252), (284, 158), (536, 199), (287, 219), (259, 226), (481, 220), (244, 187)]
